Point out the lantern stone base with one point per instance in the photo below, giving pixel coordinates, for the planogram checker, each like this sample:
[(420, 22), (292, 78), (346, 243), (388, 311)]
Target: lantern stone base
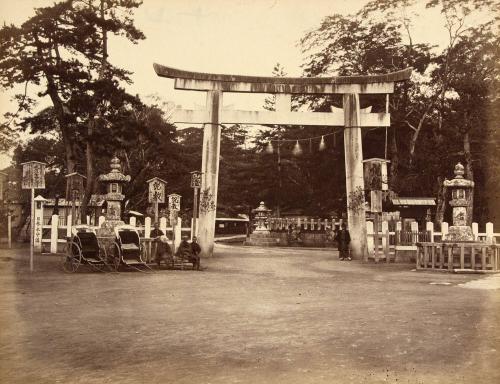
[(106, 235), (107, 229), (459, 233), (262, 238)]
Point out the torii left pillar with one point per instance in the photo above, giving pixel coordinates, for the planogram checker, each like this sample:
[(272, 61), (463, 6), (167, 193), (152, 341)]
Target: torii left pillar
[(355, 184), (210, 172)]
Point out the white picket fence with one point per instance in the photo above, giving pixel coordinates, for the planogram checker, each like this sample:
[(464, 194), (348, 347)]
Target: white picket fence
[(385, 244), (53, 237), (381, 244)]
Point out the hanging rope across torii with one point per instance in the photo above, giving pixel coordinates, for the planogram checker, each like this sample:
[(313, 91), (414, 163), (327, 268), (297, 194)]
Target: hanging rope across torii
[(350, 117)]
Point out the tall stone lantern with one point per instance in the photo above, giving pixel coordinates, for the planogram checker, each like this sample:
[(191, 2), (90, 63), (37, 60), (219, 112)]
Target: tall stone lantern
[(114, 181), (261, 215), (460, 192), (261, 236)]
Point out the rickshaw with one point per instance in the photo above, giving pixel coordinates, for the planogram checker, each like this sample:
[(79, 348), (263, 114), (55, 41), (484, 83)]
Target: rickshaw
[(128, 249), (83, 247)]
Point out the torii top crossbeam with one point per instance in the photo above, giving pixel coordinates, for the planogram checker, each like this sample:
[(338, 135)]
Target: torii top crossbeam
[(283, 87), (199, 81)]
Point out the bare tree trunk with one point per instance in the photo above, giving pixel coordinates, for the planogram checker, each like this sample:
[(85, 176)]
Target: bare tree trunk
[(69, 151), (63, 125), (441, 202), (60, 112), (394, 161), (89, 149), (104, 42), (469, 174), (416, 131), (89, 155)]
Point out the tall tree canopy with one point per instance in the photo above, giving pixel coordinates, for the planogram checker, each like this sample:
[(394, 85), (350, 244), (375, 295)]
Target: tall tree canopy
[(438, 118), (63, 51), (445, 114)]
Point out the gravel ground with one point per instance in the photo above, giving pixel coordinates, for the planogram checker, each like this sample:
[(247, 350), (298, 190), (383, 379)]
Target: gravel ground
[(251, 316)]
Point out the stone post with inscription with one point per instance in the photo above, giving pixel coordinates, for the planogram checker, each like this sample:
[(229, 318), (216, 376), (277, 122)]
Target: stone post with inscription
[(37, 240)]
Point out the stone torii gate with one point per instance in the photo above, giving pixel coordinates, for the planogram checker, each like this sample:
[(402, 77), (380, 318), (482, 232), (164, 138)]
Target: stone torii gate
[(352, 118)]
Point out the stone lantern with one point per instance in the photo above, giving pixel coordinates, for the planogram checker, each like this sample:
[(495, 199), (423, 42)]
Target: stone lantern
[(114, 181), (460, 192), (261, 215), (261, 236)]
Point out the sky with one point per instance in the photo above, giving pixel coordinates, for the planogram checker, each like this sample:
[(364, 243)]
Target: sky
[(245, 37), (222, 36)]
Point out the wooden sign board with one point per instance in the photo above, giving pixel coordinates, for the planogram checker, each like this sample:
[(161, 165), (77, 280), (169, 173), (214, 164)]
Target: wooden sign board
[(74, 186), (174, 202), (156, 190), (195, 179), (373, 176), (376, 201), (33, 175)]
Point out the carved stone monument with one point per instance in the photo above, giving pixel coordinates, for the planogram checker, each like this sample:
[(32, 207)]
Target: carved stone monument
[(460, 191)]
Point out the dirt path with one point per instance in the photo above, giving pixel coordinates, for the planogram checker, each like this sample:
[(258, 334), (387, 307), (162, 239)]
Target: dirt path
[(252, 316)]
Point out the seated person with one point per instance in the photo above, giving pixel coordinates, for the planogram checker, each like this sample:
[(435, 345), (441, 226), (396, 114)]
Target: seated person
[(163, 250), (156, 232), (196, 249), (185, 251)]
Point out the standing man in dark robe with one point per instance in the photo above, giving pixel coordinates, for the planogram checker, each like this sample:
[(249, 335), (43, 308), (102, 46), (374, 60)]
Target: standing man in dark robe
[(155, 235), (196, 249), (343, 239)]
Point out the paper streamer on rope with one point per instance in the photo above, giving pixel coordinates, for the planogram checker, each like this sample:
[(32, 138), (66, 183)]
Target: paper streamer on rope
[(270, 148), (322, 144), (297, 149)]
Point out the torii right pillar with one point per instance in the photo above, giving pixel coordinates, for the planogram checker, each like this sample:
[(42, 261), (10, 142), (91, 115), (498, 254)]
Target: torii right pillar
[(355, 186)]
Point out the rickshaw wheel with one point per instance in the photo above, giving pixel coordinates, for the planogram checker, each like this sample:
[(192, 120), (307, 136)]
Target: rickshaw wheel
[(104, 266), (142, 250), (72, 259), (116, 257)]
